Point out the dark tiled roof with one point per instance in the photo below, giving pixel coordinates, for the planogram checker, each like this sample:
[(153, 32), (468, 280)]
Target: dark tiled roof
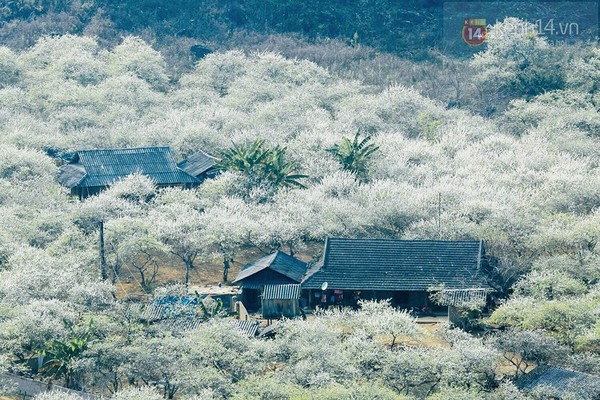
[(379, 264), (198, 163), (100, 168), (561, 381), (281, 292), (279, 262), (70, 175)]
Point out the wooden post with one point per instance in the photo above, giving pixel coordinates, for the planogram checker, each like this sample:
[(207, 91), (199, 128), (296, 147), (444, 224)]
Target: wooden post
[(103, 269)]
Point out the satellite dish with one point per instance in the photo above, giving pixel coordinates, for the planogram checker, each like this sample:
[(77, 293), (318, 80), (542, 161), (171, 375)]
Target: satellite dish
[(324, 286)]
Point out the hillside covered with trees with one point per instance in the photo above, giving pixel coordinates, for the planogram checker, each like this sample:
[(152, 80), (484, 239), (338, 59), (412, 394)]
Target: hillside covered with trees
[(317, 138)]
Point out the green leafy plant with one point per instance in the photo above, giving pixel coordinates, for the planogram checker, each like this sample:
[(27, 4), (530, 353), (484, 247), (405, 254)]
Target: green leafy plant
[(210, 308), (258, 160), (60, 354), (354, 154)]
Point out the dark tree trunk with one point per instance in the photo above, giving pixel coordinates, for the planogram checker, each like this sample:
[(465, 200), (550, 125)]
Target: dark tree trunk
[(188, 265), (143, 279), (226, 265), (103, 268)]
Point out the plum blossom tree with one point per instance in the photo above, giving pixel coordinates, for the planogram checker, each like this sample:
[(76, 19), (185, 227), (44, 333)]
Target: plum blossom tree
[(523, 348), (380, 318), (131, 245), (224, 231), (518, 60), (138, 393), (179, 227)]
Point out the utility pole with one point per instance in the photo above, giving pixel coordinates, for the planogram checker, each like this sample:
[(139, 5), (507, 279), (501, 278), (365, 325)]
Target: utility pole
[(103, 269), (439, 215)]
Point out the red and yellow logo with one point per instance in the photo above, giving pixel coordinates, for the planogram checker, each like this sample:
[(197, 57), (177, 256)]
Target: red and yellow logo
[(474, 32)]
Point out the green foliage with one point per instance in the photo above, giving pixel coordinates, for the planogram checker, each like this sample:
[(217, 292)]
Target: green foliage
[(549, 285), (566, 320), (428, 127), (354, 155), (60, 355), (517, 62), (210, 308), (260, 162), (245, 158), (524, 348)]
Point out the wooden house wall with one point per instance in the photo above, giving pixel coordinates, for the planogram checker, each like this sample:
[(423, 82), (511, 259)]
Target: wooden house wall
[(267, 277), (278, 308), (402, 299)]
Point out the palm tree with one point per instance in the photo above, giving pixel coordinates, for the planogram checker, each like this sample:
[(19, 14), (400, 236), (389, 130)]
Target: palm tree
[(267, 164), (281, 172), (354, 155), (244, 158)]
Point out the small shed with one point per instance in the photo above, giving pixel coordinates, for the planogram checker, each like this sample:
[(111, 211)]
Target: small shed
[(227, 294), (277, 268), (200, 165), (459, 300), (279, 301)]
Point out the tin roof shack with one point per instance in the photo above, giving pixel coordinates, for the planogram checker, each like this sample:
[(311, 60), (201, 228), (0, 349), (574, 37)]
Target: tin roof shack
[(277, 268), (200, 165), (560, 383), (91, 171), (401, 270), (464, 305), (278, 301), (227, 294)]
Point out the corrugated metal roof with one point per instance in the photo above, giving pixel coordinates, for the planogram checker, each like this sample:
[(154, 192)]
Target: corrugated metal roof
[(247, 328), (564, 382), (281, 292), (160, 314), (279, 262), (104, 167), (460, 297), (411, 265), (181, 324), (198, 163)]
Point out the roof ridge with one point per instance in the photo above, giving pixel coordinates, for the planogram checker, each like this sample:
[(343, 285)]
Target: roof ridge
[(207, 155), (124, 148), (408, 240)]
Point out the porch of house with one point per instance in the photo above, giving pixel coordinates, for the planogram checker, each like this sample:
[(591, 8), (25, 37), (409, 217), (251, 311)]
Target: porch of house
[(416, 301)]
